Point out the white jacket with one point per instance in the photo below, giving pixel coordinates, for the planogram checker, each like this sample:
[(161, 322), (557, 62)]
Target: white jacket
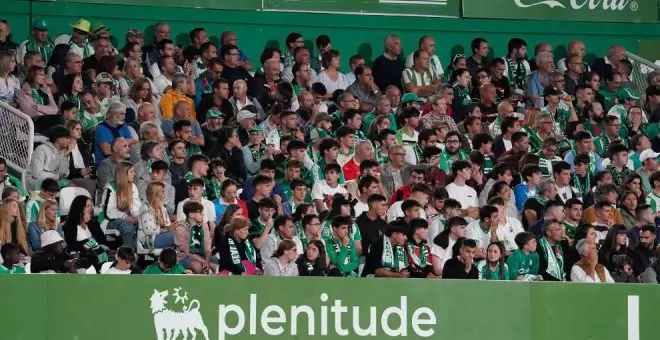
[(47, 162)]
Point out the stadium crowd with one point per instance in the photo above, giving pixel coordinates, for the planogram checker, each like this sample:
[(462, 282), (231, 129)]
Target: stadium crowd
[(511, 168)]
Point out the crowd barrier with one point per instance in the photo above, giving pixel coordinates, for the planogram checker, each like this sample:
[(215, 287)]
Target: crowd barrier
[(16, 139), (100, 307)]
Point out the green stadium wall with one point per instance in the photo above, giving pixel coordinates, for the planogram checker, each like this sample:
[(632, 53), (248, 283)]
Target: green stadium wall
[(350, 33), (109, 307)]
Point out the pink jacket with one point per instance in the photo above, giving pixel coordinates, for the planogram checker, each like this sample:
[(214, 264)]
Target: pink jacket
[(26, 103)]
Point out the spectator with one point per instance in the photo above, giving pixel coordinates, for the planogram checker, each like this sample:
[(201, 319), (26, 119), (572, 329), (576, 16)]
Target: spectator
[(10, 87), (166, 264), (388, 67), (284, 229), (494, 267), (83, 234), (282, 263), (232, 70), (314, 261), (123, 263), (50, 159), (465, 194), (228, 196), (196, 194), (420, 261), (47, 219), (158, 174), (238, 255), (73, 65), (106, 169), (38, 42), (652, 273), (420, 77), (524, 263), (35, 98), (516, 66), (12, 227), (11, 256), (240, 99), (81, 162), (193, 240), (112, 128), (180, 88), (155, 230), (228, 149), (52, 258), (479, 57), (120, 204), (7, 180), (551, 265), (461, 266)]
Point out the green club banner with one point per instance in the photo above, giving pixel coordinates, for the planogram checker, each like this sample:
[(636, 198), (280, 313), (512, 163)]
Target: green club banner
[(66, 307), (632, 11), (428, 8)]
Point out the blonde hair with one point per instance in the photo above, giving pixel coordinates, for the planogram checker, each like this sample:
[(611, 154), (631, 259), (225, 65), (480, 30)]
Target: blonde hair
[(236, 223), (41, 217), (5, 63), (153, 190), (124, 191), (532, 117), (6, 222)]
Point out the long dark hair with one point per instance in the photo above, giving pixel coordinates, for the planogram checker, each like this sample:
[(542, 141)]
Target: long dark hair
[(76, 211), (320, 262), (500, 262), (609, 245)]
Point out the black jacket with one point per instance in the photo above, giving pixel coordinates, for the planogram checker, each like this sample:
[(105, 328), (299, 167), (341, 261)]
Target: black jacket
[(370, 230), (207, 103), (234, 160), (85, 151)]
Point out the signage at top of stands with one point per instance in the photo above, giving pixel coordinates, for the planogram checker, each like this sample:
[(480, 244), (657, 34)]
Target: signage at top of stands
[(427, 8), (564, 10)]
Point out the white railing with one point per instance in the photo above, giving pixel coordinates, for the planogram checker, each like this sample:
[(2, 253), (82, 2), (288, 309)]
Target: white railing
[(16, 138), (642, 68)]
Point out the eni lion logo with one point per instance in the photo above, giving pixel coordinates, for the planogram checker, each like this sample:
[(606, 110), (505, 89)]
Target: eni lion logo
[(170, 323)]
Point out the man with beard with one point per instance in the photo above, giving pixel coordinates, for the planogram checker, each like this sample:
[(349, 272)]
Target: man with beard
[(219, 100), (516, 67), (452, 151), (112, 128)]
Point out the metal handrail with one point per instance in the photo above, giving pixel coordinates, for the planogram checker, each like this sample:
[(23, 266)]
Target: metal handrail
[(17, 159), (642, 61)]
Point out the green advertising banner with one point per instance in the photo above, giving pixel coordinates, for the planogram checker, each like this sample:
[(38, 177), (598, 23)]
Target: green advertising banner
[(66, 307), (427, 8), (633, 11)]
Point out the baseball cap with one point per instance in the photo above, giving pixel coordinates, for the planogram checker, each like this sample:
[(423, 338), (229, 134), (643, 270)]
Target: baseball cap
[(103, 77), (626, 93), (50, 237), (256, 128), (40, 25), (647, 154), (410, 97), (245, 114), (551, 91), (214, 113)]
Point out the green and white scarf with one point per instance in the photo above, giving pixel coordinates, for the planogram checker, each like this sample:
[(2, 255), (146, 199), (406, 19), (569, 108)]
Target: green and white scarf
[(196, 243), (36, 96), (74, 99), (391, 260), (554, 258), (250, 253), (45, 51), (463, 94), (516, 73), (541, 199), (257, 152), (582, 189), (420, 261)]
